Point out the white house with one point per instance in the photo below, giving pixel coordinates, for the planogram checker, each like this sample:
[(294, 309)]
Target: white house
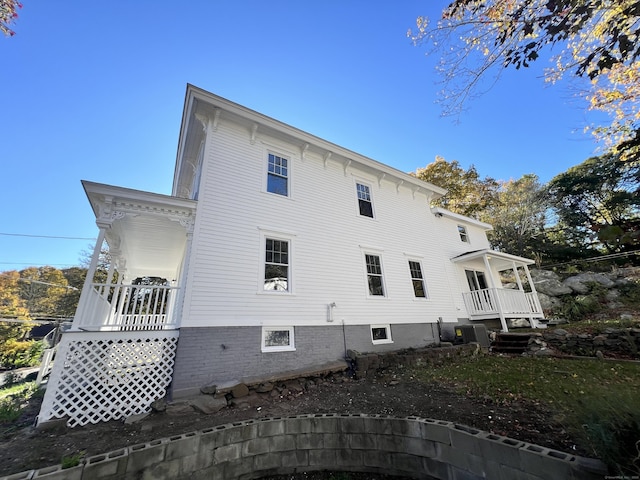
[(277, 250)]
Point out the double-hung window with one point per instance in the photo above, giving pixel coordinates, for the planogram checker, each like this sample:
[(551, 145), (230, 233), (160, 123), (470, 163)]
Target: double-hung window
[(278, 175), (365, 204), (416, 278), (276, 265), (374, 275), (462, 231)]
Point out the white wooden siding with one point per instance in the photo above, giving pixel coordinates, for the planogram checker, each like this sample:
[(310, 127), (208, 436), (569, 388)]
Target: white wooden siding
[(327, 236)]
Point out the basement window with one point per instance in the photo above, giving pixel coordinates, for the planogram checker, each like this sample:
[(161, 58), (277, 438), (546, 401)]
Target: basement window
[(381, 334), (278, 339)]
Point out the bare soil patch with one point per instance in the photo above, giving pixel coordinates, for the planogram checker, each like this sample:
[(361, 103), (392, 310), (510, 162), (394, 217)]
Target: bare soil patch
[(394, 393)]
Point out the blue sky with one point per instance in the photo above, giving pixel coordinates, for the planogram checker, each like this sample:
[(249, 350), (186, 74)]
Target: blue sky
[(95, 90)]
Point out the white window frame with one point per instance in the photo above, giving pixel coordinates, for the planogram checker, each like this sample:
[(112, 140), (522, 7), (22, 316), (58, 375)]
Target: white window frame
[(283, 237), (464, 234), (378, 254), (370, 193), (424, 283), (289, 160), (278, 348), (387, 328)]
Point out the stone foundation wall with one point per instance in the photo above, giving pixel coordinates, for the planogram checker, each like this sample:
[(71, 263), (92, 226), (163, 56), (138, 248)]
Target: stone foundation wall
[(411, 447)]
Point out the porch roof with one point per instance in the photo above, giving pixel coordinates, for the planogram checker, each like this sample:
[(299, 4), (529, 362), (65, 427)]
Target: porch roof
[(146, 232), (502, 261)]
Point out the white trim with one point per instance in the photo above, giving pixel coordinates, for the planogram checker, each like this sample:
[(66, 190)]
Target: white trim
[(369, 185), (265, 170), (283, 348), (374, 253), (463, 233), (281, 236), (387, 328), (424, 282), (442, 212)]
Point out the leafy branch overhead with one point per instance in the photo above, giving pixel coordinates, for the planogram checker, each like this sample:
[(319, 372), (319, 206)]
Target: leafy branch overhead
[(8, 15), (598, 41)]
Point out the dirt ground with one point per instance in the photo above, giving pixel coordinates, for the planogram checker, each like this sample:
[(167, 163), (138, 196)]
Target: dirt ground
[(394, 393)]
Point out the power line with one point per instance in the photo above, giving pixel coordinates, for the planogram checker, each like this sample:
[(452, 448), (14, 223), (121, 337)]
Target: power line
[(45, 236)]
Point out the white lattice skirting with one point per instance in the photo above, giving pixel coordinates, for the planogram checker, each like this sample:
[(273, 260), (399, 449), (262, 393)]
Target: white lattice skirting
[(101, 376)]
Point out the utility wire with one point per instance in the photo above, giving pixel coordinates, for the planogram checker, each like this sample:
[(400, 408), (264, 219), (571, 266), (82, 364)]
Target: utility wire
[(45, 236)]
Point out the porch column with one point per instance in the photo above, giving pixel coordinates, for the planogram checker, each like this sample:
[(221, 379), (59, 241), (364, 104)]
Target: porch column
[(515, 272), (178, 307), (503, 320), (88, 280)]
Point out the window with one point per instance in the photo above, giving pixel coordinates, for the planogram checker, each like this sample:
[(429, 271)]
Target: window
[(278, 175), (416, 279), (276, 265), (364, 200), (374, 275), (463, 233), (278, 339), (381, 334)]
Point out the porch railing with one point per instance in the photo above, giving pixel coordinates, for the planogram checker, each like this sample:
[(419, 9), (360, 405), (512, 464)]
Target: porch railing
[(126, 308), (493, 301)]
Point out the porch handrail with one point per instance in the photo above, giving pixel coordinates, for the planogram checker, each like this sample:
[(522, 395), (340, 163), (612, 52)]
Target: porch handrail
[(491, 300), (116, 307)]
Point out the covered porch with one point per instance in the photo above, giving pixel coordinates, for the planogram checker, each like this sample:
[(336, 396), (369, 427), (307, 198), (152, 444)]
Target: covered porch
[(133, 281), (487, 298)]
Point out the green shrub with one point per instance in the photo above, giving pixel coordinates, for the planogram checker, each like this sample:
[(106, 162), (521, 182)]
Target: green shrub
[(21, 353)]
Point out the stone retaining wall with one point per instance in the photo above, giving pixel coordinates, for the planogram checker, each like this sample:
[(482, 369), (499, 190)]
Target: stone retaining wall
[(411, 447), (367, 364), (616, 341)]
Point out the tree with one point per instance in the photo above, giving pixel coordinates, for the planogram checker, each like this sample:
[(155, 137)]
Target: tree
[(467, 193), (8, 15), (518, 216), (16, 325), (598, 41), (600, 200), (43, 289)]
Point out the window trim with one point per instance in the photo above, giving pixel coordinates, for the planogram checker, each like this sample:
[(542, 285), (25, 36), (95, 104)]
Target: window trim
[(266, 234), (289, 159), (387, 328), (370, 193), (269, 349), (463, 233), (377, 254), (424, 283)]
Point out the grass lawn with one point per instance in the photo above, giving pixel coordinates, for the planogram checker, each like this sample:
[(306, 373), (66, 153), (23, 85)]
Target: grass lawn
[(598, 402)]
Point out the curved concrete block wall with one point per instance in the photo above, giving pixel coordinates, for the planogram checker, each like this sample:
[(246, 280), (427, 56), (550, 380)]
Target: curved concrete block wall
[(410, 447)]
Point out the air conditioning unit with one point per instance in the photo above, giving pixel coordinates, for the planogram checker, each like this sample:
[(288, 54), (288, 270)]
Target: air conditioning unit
[(473, 333)]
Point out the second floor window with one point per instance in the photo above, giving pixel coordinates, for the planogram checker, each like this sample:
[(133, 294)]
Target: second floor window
[(278, 175), (276, 266), (364, 200), (463, 233), (374, 275)]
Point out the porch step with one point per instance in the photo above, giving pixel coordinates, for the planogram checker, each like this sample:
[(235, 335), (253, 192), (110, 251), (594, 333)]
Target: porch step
[(515, 343)]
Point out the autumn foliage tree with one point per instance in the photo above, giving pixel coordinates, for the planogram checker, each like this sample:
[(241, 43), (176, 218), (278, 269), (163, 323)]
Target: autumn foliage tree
[(467, 193), (597, 40), (8, 15), (519, 216)]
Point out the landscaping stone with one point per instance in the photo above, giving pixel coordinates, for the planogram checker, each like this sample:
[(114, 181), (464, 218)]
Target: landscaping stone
[(207, 404)]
